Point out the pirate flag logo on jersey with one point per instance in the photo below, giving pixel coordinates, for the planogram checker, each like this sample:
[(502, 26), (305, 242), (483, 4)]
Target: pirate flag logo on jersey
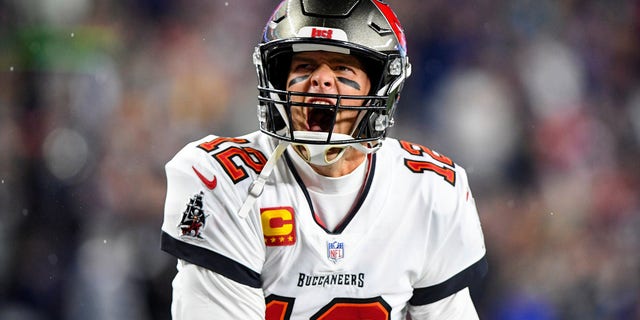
[(193, 217)]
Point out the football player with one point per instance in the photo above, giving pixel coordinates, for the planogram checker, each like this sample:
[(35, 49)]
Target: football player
[(319, 215)]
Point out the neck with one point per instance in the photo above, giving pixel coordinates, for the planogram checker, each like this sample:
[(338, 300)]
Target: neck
[(351, 159)]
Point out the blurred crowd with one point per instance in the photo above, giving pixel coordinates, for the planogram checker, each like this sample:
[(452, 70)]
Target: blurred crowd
[(538, 100)]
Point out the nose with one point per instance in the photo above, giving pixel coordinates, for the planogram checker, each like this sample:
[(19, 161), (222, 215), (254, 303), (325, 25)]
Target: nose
[(323, 78)]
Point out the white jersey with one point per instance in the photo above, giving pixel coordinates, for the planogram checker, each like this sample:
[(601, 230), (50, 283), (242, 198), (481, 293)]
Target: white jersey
[(412, 237)]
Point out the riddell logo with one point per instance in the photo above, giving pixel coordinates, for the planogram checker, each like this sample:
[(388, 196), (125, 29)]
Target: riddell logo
[(322, 33)]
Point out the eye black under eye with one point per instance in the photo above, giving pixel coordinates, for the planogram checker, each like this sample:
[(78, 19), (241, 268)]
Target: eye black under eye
[(297, 80)]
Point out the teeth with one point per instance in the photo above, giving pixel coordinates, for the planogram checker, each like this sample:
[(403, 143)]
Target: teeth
[(321, 102)]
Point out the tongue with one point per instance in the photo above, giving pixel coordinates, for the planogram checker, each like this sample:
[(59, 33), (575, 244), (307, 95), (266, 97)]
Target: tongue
[(319, 120)]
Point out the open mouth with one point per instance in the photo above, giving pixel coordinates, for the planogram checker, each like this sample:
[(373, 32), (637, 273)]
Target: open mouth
[(320, 119)]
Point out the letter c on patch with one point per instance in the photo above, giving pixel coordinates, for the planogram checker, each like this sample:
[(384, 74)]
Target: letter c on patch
[(278, 226)]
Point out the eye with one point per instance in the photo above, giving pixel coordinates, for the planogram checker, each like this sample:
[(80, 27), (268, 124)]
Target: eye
[(345, 69), (302, 67)]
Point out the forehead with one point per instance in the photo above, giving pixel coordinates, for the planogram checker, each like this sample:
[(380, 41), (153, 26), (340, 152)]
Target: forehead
[(327, 57)]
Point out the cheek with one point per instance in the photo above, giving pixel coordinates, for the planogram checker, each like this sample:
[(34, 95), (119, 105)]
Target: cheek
[(347, 116), (298, 115), (296, 112), (366, 87), (295, 81)]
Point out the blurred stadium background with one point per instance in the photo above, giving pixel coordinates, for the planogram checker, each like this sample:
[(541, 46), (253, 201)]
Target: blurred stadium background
[(539, 100)]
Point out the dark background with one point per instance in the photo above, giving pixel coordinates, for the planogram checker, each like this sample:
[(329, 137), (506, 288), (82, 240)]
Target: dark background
[(538, 100)]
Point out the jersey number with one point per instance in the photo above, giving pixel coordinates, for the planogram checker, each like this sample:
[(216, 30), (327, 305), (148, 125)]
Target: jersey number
[(249, 157), (279, 308), (442, 166)]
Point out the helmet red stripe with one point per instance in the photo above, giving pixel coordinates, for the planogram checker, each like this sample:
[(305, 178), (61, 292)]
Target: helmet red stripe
[(393, 21)]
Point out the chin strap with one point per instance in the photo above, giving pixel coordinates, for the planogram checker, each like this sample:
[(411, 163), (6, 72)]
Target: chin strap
[(317, 154), (257, 186)]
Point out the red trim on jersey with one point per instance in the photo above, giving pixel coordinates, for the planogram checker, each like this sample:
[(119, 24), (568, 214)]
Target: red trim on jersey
[(355, 203), (371, 158), (319, 220), (357, 200)]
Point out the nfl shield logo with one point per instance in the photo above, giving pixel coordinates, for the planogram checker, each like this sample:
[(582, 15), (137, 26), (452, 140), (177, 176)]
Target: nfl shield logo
[(335, 251)]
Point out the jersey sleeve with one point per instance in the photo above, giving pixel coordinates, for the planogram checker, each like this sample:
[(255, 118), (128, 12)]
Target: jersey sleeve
[(199, 293), (457, 306), (201, 225), (455, 249)]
